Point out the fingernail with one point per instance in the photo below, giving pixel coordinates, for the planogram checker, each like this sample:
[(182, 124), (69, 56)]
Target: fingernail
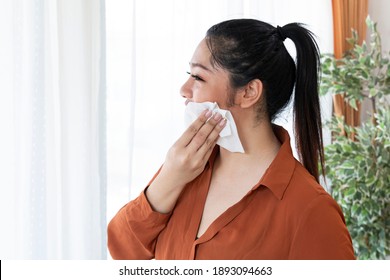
[(222, 122), (208, 113), (217, 116)]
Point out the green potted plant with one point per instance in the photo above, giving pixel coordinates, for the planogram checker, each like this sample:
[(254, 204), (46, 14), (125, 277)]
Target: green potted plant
[(358, 168)]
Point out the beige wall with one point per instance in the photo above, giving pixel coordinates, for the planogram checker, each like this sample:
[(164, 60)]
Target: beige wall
[(379, 11)]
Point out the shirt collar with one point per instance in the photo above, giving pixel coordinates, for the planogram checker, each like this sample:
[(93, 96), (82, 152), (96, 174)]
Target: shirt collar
[(278, 175)]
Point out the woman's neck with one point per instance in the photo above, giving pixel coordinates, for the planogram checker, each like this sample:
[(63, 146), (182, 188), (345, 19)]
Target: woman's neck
[(260, 145)]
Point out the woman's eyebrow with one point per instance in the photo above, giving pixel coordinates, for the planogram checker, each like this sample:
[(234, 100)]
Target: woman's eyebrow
[(195, 64)]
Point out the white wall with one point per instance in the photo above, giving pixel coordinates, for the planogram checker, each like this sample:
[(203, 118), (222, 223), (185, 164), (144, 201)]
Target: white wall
[(379, 11)]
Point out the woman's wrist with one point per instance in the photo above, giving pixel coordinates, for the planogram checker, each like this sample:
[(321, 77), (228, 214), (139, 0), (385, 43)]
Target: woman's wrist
[(163, 193)]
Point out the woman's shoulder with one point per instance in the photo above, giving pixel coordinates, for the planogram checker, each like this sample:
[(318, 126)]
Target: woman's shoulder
[(303, 188), (305, 200)]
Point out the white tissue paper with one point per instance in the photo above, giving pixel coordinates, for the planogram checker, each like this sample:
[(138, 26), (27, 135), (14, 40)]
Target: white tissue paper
[(229, 138)]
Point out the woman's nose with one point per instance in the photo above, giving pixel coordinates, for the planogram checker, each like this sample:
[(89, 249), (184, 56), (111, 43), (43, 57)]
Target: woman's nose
[(185, 90)]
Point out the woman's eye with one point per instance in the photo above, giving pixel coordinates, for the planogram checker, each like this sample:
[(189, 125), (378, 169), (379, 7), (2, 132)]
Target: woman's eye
[(195, 77)]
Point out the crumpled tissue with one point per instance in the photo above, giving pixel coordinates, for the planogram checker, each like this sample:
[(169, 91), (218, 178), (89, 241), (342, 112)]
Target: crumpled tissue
[(229, 138)]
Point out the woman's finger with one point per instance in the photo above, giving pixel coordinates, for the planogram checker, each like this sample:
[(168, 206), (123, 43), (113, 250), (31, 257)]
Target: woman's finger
[(203, 136), (194, 128), (208, 145)]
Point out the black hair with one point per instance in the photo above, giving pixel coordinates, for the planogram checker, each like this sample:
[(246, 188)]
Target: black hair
[(251, 49)]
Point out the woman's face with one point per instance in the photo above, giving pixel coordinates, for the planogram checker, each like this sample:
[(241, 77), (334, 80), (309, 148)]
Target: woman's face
[(206, 82)]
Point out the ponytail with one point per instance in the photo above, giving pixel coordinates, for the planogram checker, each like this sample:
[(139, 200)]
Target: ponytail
[(307, 114)]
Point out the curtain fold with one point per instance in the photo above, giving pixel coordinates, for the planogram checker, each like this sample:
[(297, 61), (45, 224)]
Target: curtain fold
[(53, 178), (347, 15)]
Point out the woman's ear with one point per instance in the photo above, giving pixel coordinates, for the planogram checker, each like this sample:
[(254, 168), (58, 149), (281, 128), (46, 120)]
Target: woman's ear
[(250, 94)]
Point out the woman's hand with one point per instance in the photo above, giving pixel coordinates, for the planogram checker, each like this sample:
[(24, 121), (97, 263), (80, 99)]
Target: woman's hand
[(185, 160)]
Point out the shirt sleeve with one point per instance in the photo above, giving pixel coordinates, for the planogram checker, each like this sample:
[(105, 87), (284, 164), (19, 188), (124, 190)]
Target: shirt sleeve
[(322, 233), (133, 232)]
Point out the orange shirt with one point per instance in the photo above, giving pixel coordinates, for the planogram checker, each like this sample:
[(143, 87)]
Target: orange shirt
[(287, 215)]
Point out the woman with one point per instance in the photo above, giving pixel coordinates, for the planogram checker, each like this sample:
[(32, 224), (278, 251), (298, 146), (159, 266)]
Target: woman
[(208, 203)]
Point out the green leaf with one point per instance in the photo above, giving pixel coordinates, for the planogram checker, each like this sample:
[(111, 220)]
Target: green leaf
[(373, 92), (355, 210), (352, 102), (348, 164), (350, 192), (370, 181)]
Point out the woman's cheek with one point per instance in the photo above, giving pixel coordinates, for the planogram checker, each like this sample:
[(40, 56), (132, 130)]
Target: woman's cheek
[(200, 95)]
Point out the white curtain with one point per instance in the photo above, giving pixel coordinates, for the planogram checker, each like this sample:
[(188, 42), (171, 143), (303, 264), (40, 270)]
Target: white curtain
[(153, 43), (52, 123), (52, 107)]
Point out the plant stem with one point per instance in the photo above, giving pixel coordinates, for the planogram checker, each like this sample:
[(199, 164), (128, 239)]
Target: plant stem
[(373, 102)]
